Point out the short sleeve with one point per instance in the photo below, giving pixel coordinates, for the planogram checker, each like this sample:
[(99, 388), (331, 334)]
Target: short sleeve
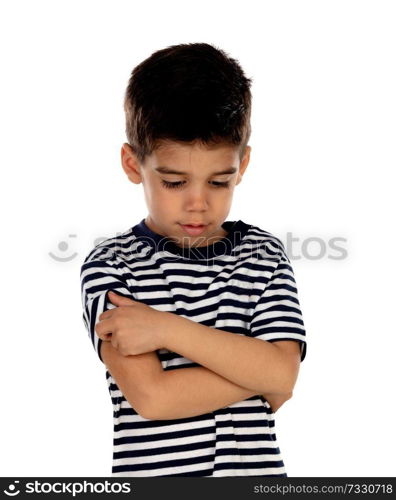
[(277, 314), (100, 273)]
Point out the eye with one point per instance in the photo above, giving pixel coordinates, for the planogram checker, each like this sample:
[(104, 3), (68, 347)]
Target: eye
[(220, 184), (172, 185)]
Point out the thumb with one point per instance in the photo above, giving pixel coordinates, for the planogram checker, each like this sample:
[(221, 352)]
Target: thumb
[(119, 300)]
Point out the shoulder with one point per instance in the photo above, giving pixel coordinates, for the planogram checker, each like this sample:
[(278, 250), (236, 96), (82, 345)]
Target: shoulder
[(106, 266), (102, 251), (113, 249), (108, 256), (268, 245)]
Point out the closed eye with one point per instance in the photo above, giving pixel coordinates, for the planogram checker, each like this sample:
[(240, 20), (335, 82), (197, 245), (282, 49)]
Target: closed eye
[(172, 185)]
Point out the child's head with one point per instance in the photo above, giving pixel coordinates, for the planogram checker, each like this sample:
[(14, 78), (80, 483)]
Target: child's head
[(188, 109)]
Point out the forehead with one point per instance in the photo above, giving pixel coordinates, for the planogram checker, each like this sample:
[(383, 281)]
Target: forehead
[(174, 154)]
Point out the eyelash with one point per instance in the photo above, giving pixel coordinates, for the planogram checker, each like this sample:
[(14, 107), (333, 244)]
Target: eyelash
[(175, 185)]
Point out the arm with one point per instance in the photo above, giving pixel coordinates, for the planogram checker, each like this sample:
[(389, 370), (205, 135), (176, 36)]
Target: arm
[(187, 392), (261, 366), (276, 400), (134, 375), (158, 394)]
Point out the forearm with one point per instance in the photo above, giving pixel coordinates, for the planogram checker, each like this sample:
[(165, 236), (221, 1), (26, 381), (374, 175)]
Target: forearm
[(246, 361), (188, 392), (172, 394), (135, 375)]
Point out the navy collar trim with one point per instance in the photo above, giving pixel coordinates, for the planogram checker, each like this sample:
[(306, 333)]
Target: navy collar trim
[(236, 231)]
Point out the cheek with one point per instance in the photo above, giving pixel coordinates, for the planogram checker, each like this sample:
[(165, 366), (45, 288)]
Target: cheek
[(224, 200), (161, 198), (224, 194)]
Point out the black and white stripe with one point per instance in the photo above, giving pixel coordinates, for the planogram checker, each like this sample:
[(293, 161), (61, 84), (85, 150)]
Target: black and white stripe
[(243, 284)]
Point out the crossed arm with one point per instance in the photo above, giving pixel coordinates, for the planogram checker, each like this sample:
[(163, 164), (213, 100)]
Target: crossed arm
[(229, 362), (159, 394)]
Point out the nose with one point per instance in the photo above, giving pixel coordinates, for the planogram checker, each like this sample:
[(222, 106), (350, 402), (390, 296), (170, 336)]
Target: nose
[(196, 199)]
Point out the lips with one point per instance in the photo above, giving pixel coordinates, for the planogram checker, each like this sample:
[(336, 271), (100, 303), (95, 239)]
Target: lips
[(193, 229)]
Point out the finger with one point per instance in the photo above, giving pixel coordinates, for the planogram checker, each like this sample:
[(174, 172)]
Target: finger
[(104, 329), (106, 314), (120, 300), (105, 336)]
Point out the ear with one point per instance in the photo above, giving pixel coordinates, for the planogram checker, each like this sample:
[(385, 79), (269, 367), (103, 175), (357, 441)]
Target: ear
[(244, 163), (130, 164)]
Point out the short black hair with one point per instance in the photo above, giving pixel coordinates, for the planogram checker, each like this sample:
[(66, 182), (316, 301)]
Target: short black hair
[(191, 92)]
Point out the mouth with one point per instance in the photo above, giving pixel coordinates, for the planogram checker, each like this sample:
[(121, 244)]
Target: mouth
[(193, 229)]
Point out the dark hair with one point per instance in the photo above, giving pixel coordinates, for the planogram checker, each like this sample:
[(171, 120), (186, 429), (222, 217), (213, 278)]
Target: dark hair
[(191, 92)]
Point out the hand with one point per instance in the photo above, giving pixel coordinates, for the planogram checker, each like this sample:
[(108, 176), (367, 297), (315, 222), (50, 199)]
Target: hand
[(132, 327)]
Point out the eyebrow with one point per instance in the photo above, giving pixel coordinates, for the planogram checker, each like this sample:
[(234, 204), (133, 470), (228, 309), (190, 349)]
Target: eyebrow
[(167, 170)]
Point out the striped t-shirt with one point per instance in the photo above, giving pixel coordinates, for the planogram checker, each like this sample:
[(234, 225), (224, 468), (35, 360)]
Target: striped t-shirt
[(243, 284)]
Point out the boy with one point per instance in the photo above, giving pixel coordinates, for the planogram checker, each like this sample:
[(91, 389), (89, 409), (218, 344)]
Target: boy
[(204, 335)]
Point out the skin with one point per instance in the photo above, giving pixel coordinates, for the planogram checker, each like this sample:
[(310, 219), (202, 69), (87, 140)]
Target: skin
[(198, 200)]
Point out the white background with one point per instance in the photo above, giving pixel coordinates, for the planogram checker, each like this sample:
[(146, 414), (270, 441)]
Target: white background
[(322, 167)]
